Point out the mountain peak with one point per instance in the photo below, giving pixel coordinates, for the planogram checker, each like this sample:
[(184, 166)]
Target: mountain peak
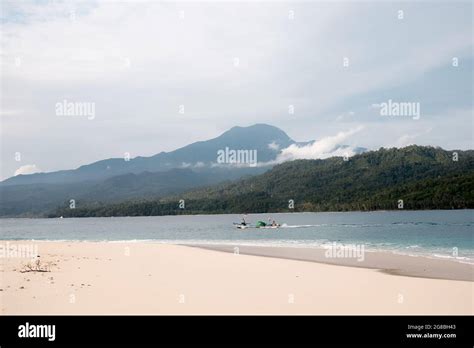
[(259, 132), (257, 127)]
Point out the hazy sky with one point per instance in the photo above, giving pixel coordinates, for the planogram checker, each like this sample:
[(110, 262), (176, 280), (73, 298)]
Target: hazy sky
[(228, 63)]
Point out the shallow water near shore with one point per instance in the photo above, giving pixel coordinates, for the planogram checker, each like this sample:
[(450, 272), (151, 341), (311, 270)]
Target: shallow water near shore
[(437, 234)]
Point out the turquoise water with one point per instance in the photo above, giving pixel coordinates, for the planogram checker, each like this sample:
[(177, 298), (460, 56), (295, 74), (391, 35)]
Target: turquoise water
[(432, 233)]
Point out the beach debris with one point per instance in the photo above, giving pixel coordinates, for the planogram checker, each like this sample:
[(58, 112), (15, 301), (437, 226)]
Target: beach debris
[(36, 266)]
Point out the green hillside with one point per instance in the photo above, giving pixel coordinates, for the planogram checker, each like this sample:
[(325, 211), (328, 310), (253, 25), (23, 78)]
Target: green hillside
[(423, 177)]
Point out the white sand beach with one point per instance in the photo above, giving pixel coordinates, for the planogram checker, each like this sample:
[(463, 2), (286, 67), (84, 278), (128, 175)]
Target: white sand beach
[(153, 278)]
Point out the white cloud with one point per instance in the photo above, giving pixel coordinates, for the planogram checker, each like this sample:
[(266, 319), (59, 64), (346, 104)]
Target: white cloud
[(199, 164), (27, 169), (323, 148), (273, 146), (410, 139), (405, 140)]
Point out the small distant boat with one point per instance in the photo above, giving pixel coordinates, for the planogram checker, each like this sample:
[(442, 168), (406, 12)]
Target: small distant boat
[(242, 227), (260, 224)]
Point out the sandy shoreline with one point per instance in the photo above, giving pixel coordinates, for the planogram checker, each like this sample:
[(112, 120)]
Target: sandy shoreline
[(153, 278), (396, 264)]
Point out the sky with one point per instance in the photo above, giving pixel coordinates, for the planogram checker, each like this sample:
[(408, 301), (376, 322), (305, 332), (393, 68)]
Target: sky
[(151, 76)]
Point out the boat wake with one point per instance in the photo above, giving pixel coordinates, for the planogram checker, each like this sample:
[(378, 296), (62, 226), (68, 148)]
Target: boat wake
[(297, 226)]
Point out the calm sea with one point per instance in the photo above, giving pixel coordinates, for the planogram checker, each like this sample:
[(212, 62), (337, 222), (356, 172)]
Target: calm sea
[(434, 233)]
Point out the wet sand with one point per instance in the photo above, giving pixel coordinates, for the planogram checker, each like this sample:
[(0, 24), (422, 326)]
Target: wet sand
[(406, 265)]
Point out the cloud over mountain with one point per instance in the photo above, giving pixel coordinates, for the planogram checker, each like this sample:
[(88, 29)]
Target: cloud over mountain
[(27, 169), (326, 147)]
